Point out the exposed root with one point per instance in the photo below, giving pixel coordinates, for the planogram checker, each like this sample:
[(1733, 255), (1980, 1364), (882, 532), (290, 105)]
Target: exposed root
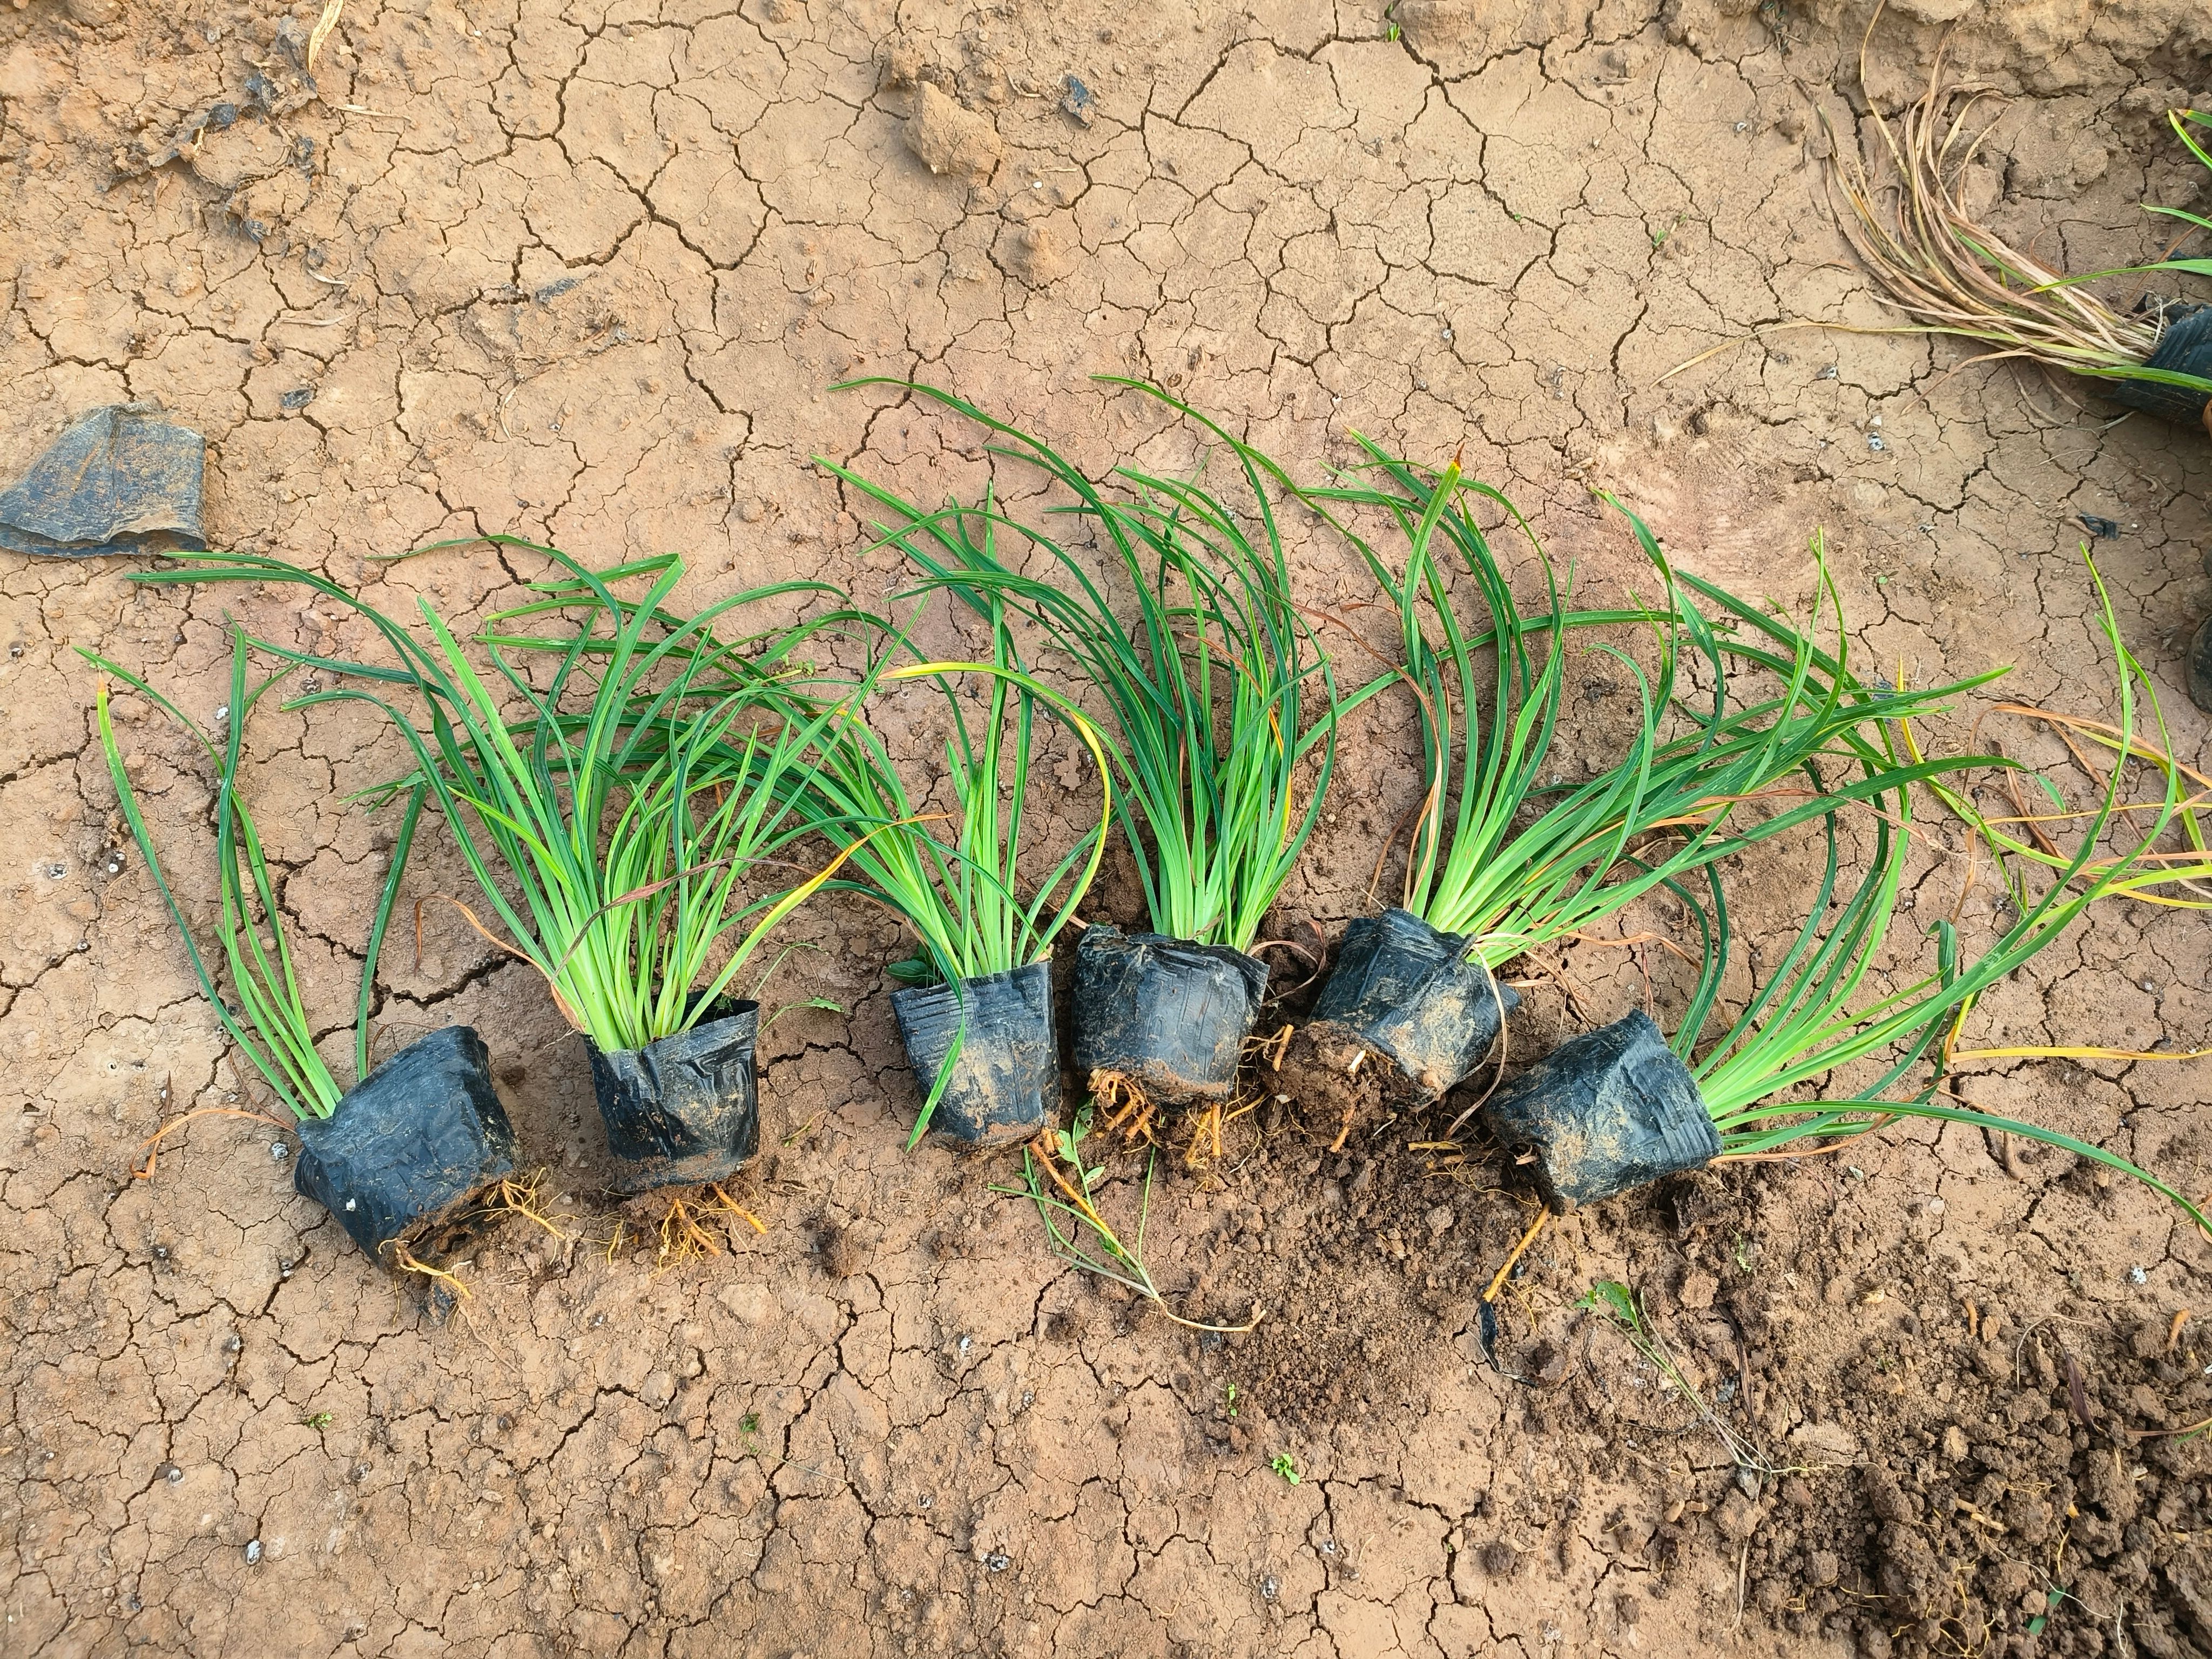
[(1528, 1238), (1206, 1146), (1344, 1129), (151, 1142), (527, 1198), (682, 1238), (1125, 1108), (733, 1211), (407, 1261), (1205, 1130), (1272, 1048)]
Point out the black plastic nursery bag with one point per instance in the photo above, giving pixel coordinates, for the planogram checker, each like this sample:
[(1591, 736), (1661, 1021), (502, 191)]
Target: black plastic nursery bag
[(686, 1108), (408, 1148), (2185, 347), (1005, 1086), (1167, 1015), (1606, 1111), (1404, 990)]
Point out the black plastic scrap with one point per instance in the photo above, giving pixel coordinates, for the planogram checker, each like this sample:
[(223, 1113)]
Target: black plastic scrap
[(118, 478)]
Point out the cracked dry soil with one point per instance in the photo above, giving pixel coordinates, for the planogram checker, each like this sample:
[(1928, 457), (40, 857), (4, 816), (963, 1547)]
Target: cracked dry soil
[(585, 273)]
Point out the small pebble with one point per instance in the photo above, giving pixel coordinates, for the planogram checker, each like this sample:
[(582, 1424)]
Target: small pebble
[(253, 1553), (2138, 1276)]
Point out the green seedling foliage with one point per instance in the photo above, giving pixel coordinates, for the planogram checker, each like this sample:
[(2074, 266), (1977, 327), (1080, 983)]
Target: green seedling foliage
[(1497, 854), (1807, 1021), (1057, 1180), (631, 795), (962, 898), (1215, 689), (264, 1014)]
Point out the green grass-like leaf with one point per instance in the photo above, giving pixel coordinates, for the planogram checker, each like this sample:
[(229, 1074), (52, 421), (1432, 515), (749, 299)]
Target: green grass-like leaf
[(1214, 687), (1498, 855), (627, 799), (264, 1012), (1807, 1020)]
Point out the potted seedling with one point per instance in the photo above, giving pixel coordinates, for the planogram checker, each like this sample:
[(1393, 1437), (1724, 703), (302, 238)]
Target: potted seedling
[(975, 1008), (626, 801), (1500, 862), (1215, 695), (409, 1146), (1622, 1105)]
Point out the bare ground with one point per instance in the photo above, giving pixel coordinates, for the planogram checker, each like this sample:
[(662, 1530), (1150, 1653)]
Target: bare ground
[(586, 275)]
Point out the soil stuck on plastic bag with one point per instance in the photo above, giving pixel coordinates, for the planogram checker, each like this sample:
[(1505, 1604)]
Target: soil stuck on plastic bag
[(684, 1109), (1164, 1014), (408, 1148), (1005, 1086), (1606, 1111), (117, 477), (1402, 990)]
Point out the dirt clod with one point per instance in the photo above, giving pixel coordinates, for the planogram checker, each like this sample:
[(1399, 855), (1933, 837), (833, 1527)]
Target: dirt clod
[(952, 140)]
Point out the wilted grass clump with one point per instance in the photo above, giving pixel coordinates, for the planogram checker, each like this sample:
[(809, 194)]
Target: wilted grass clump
[(1953, 274)]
